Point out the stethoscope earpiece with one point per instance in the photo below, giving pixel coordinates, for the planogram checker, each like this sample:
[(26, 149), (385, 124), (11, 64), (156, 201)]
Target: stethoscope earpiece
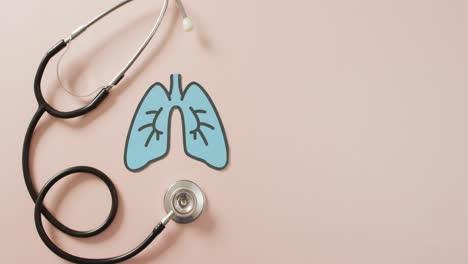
[(184, 202), (188, 24)]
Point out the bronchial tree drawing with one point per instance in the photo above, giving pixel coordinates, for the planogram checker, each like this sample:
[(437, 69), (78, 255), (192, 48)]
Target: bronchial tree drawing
[(204, 135)]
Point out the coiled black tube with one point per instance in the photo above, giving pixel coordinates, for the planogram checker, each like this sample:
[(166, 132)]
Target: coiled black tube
[(38, 198)]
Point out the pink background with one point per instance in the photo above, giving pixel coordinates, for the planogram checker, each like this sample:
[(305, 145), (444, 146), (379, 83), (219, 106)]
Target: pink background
[(347, 122)]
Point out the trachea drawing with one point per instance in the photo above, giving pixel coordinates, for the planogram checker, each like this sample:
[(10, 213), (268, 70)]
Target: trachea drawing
[(204, 135)]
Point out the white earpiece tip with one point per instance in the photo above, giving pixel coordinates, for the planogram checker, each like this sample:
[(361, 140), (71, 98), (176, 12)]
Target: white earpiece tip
[(188, 25)]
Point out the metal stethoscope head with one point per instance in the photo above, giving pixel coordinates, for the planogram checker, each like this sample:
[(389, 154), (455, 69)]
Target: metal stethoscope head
[(184, 202)]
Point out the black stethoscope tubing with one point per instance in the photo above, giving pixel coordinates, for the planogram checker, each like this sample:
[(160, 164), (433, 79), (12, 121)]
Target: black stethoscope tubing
[(38, 197)]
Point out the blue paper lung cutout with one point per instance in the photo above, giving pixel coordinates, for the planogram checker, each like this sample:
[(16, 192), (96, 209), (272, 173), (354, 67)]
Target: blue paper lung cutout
[(204, 135)]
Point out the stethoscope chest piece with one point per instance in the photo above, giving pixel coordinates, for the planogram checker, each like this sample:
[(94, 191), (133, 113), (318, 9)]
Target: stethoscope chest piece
[(186, 200)]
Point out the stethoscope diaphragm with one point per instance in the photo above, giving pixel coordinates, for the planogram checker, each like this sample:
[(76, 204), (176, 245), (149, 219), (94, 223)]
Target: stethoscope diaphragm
[(186, 200)]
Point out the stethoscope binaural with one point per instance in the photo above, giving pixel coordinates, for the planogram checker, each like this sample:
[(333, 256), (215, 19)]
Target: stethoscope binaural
[(183, 202)]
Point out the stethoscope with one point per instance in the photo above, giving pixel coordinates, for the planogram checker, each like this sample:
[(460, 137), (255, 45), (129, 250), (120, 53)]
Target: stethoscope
[(184, 201)]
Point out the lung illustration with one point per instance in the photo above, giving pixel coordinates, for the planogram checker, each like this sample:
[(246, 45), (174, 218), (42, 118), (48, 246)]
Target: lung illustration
[(204, 135)]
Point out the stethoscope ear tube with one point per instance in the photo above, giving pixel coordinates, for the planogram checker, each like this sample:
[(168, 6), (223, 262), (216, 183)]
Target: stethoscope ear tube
[(99, 98)]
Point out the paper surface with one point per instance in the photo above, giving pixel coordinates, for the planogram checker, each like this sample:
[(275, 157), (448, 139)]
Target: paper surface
[(347, 126)]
